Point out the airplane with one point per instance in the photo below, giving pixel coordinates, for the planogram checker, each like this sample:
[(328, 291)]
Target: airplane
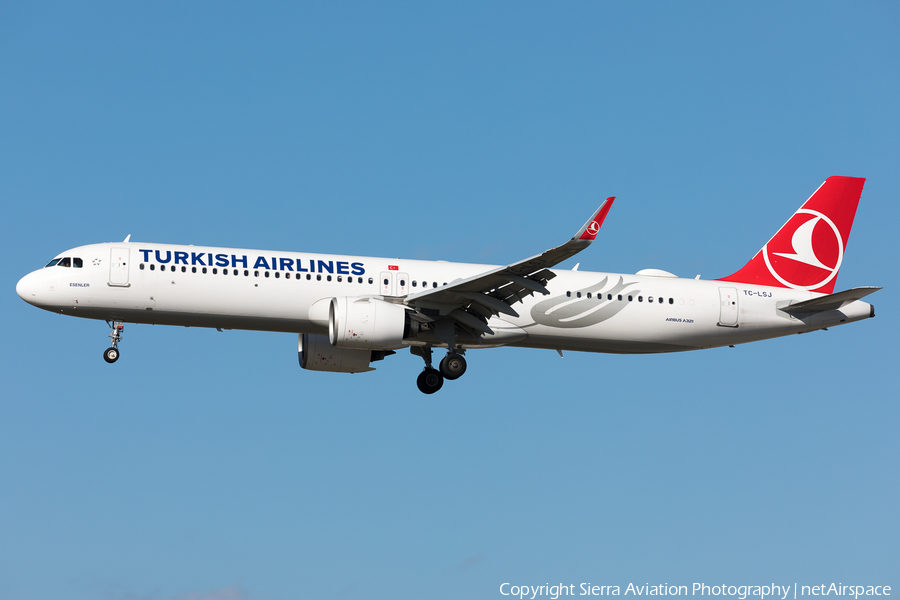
[(352, 311)]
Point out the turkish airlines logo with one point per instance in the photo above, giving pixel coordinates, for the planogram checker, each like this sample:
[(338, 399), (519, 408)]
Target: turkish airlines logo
[(815, 242), (393, 268), (593, 228)]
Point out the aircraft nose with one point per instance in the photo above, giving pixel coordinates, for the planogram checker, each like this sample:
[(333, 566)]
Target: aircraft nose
[(26, 289)]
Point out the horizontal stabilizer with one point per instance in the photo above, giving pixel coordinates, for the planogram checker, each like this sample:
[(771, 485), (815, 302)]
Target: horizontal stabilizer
[(831, 301)]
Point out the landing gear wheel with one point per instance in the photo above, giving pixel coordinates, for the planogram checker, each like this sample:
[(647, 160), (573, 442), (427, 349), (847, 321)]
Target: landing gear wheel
[(430, 381), (111, 355), (453, 366)]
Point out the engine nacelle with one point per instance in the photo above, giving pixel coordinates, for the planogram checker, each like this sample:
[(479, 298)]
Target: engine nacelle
[(317, 354), (367, 323)]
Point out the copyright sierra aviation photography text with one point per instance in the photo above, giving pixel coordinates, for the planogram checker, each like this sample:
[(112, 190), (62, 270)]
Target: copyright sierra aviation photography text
[(741, 592)]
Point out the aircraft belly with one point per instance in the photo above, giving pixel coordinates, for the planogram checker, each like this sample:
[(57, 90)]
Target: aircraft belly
[(613, 336)]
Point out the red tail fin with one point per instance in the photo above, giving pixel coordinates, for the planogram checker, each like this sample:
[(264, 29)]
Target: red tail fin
[(807, 251)]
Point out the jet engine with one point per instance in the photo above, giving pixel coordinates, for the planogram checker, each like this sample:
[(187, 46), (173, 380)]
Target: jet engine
[(317, 354), (367, 323)]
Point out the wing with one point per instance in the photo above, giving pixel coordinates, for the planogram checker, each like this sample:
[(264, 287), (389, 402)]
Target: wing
[(471, 302)]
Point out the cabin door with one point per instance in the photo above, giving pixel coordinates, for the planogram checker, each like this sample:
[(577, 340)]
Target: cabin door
[(728, 307), (394, 283), (119, 260)]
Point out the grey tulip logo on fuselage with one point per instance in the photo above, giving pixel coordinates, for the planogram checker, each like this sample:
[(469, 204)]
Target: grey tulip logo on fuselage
[(583, 311)]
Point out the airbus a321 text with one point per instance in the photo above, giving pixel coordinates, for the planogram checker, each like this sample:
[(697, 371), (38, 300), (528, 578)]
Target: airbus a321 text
[(351, 311)]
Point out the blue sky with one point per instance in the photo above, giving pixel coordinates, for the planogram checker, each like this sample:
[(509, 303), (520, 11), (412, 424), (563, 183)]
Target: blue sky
[(209, 466)]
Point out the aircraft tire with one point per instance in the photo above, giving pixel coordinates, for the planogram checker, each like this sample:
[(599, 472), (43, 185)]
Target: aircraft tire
[(453, 366), (111, 355), (430, 381)]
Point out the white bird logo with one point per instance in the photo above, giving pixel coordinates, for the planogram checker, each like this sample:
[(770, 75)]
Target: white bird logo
[(802, 244), (803, 251)]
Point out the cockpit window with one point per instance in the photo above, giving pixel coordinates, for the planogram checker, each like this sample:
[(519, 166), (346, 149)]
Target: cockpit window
[(77, 263), (53, 262), (64, 262)]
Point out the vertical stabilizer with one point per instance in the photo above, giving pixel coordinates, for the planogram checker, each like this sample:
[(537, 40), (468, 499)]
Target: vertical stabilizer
[(807, 251)]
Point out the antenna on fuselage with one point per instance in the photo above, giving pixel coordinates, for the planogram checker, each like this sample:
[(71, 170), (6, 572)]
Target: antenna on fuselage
[(127, 238)]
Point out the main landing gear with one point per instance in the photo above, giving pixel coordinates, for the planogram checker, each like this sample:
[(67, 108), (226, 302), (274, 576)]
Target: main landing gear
[(453, 366), (111, 354), (430, 379)]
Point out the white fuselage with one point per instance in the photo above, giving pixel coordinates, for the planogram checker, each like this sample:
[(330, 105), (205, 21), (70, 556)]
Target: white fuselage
[(232, 288)]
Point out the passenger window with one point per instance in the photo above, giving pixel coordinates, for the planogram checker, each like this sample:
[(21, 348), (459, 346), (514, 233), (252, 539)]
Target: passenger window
[(434, 284), (640, 298), (308, 277), (235, 272), (152, 267), (671, 300), (650, 299), (386, 282), (277, 275), (318, 278), (358, 280), (620, 297), (403, 282), (660, 300), (340, 279), (184, 269), (203, 270), (629, 298), (328, 277), (609, 296), (215, 271), (371, 281), (414, 283), (568, 294), (246, 273), (141, 267), (256, 273), (265, 273), (193, 269), (76, 262), (588, 295)]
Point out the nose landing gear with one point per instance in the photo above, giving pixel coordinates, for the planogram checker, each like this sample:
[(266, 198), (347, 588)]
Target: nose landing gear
[(111, 354)]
